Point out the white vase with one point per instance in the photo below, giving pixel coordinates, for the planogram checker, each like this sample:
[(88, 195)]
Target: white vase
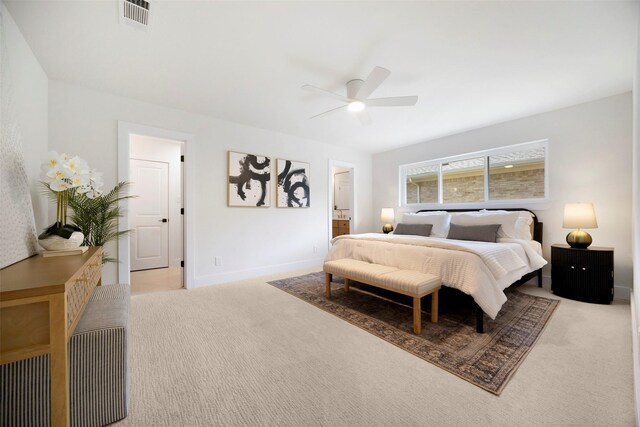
[(57, 243)]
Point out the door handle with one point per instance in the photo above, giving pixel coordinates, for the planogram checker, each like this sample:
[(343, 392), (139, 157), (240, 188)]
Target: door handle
[(163, 220)]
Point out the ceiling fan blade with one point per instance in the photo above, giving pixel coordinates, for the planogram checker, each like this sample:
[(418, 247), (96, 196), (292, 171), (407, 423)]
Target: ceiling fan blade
[(375, 79), (326, 113), (364, 117), (319, 91), (396, 101)]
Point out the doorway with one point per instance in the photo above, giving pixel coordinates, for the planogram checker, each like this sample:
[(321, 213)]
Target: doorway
[(153, 160), (341, 198), (155, 219)]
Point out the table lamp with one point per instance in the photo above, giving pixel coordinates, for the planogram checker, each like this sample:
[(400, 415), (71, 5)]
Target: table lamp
[(579, 215), (386, 216)]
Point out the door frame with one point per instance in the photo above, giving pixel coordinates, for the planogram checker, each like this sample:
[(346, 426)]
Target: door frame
[(352, 223), (125, 129)]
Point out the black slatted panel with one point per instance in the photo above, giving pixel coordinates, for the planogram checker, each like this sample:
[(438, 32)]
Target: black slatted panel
[(582, 274)]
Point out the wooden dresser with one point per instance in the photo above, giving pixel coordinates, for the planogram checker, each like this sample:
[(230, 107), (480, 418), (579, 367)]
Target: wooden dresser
[(340, 227), (41, 302)]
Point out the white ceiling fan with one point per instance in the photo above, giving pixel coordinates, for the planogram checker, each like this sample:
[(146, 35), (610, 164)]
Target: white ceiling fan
[(358, 91)]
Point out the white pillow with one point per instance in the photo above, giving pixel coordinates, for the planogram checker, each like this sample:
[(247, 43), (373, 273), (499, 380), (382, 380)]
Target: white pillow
[(523, 224), (439, 219), (507, 220)]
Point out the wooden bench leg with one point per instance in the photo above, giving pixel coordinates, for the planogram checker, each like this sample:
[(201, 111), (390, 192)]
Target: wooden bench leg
[(434, 307), (417, 316), (328, 285), (346, 284)]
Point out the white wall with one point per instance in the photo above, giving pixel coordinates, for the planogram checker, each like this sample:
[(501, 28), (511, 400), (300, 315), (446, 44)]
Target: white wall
[(160, 150), (589, 160), (250, 241), (636, 180), (29, 87), (636, 228)]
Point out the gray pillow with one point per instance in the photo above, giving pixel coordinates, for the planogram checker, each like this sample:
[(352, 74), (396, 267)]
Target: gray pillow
[(478, 233), (414, 229)]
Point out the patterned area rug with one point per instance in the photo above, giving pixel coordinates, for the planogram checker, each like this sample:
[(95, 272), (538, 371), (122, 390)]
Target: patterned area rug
[(487, 360)]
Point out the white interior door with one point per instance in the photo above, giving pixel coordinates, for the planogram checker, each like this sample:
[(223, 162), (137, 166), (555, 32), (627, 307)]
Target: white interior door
[(148, 215)]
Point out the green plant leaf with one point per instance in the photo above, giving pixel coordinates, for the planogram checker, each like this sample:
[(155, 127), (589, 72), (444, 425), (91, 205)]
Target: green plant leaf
[(98, 217)]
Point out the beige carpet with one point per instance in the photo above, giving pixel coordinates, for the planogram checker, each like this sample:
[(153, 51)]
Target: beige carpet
[(487, 360), (247, 353)]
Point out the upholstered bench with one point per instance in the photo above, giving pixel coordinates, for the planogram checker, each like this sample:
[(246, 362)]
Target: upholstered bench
[(98, 369), (407, 282), (98, 355)]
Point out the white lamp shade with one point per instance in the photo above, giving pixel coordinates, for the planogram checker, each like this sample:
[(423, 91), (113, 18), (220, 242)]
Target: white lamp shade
[(386, 216), (579, 215)]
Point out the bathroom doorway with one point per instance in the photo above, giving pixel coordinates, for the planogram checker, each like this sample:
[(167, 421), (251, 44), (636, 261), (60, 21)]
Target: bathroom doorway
[(341, 199)]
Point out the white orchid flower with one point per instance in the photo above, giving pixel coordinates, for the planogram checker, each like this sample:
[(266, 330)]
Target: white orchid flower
[(59, 185), (53, 159), (95, 175), (44, 176), (96, 179), (63, 172), (59, 172), (80, 180), (91, 192), (77, 165)]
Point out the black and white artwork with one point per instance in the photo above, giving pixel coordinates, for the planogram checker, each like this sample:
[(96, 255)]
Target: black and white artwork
[(249, 179), (293, 184)]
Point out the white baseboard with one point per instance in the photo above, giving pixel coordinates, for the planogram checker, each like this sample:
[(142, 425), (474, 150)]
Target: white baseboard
[(250, 273), (636, 357), (621, 293)]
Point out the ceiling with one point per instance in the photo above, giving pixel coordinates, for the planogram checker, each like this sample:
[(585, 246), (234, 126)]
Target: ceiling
[(471, 63)]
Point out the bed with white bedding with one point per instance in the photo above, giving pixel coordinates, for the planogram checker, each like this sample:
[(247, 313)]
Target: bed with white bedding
[(477, 268)]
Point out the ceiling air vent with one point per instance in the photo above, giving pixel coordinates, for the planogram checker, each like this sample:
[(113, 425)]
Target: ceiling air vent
[(135, 12)]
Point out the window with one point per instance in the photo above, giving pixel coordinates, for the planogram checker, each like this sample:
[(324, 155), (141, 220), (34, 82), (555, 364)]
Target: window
[(514, 173), (463, 180), (517, 175), (422, 184)]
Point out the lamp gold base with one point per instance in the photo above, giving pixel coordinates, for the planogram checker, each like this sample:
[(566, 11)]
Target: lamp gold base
[(579, 239), (387, 228)]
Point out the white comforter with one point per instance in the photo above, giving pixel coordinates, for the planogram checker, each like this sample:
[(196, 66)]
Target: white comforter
[(482, 270)]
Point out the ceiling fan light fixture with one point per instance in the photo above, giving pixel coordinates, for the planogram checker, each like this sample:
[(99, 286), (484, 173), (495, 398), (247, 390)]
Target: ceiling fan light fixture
[(356, 106), (358, 91)]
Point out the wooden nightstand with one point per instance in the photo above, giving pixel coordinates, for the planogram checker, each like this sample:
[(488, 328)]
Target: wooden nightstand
[(582, 274)]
